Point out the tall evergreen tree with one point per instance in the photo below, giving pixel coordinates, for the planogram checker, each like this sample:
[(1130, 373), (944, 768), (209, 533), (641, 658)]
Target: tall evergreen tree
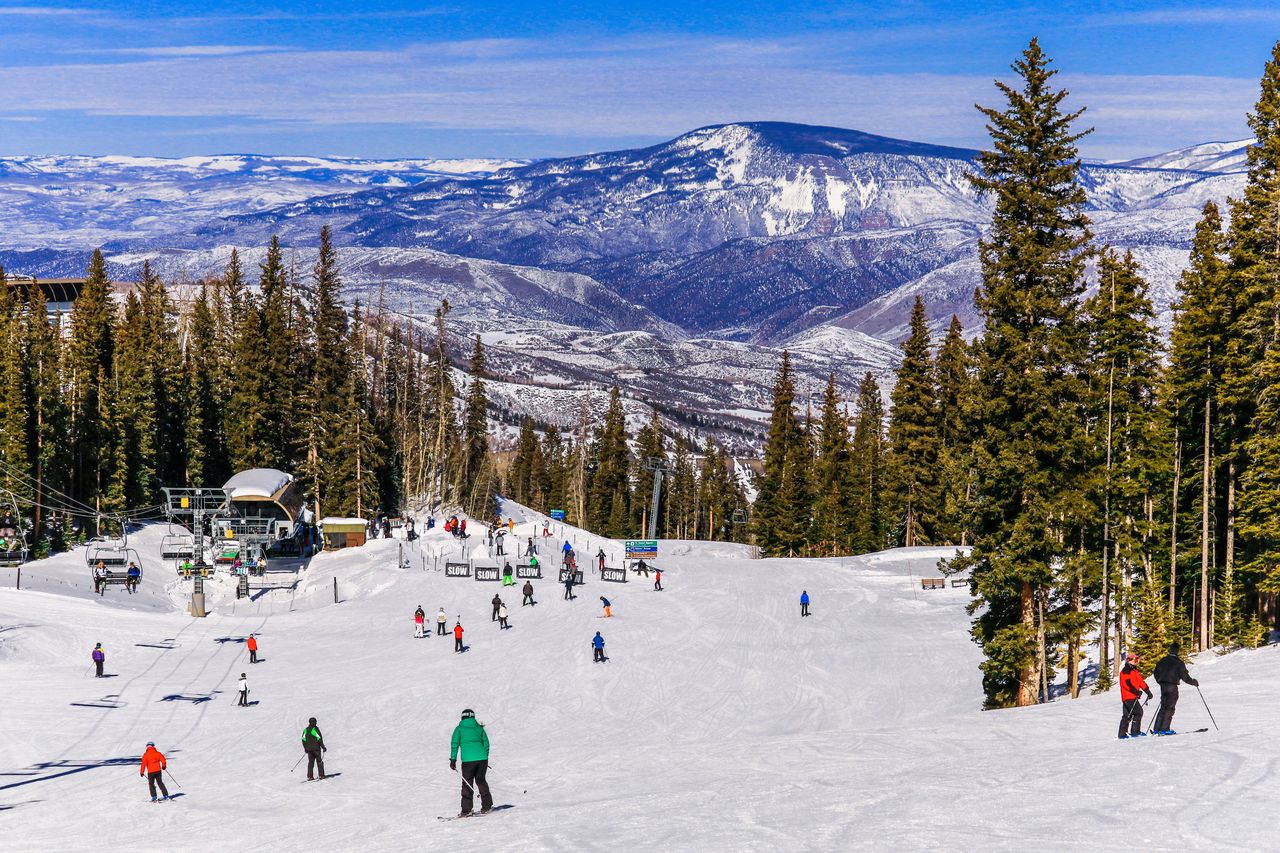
[(15, 463), (780, 521), (870, 531), (955, 453), (89, 364), (475, 422), (206, 440), (609, 494), (648, 446), (833, 487), (912, 490), (1031, 449)]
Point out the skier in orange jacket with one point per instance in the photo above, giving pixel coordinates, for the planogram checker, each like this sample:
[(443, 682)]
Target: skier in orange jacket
[(457, 636), (153, 764)]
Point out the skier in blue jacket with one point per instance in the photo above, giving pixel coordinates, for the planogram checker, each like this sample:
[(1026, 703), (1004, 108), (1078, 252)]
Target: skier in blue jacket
[(804, 603), (597, 643)]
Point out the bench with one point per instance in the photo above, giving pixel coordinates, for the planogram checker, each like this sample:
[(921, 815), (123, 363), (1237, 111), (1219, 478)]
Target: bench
[(933, 583)]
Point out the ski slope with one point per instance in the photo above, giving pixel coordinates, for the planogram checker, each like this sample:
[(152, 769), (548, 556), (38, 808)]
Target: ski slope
[(722, 721)]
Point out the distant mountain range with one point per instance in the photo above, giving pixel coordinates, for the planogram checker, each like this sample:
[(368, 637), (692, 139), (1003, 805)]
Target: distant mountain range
[(765, 234)]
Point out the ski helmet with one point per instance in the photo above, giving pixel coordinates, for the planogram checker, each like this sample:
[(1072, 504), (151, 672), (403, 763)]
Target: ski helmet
[(151, 743), (311, 722), (467, 713)]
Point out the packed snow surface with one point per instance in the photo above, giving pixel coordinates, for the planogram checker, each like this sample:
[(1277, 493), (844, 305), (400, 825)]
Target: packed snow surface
[(721, 722)]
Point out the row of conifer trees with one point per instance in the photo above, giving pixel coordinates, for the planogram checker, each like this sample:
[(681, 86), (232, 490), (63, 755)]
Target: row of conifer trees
[(1118, 488)]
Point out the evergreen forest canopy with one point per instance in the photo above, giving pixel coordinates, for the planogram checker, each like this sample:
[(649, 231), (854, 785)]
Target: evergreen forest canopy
[(1115, 488), (104, 407)]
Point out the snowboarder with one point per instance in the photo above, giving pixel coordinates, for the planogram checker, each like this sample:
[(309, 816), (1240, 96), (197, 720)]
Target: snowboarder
[(419, 622), (243, 687), (528, 594), (607, 611), (642, 568), (313, 746), (568, 587), (804, 602), (597, 643), (657, 580), (253, 648), (441, 620), (502, 617), (99, 658), (457, 635), (132, 577), (1169, 671), (1131, 685), (508, 575), (497, 602), (600, 559), (153, 764), (499, 538), (470, 739)]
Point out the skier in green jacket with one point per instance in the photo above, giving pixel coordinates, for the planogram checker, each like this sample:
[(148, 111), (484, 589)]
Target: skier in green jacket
[(469, 737)]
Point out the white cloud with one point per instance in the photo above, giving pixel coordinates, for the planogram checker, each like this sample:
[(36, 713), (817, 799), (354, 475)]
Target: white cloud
[(42, 11), (190, 50), (650, 86)]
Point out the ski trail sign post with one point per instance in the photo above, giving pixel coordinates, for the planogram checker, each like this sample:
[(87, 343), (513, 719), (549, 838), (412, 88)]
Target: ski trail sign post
[(556, 515), (642, 549)]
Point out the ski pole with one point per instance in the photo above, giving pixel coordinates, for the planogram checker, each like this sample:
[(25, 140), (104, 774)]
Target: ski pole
[(1156, 715), (464, 781), (490, 767), (173, 780), (1206, 707), (299, 761)]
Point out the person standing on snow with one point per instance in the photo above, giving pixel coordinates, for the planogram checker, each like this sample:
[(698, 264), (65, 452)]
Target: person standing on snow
[(568, 587), (153, 764), (607, 611), (657, 580), (597, 643), (804, 603), (457, 635), (99, 658), (566, 551), (470, 739), (528, 594), (531, 548), (499, 538), (508, 575), (313, 746), (1132, 684), (441, 620), (253, 648), (497, 602), (243, 687), (1169, 671), (502, 617), (419, 622)]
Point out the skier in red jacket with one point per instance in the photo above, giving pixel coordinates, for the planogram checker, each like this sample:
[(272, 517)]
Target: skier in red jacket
[(153, 764), (457, 636), (1132, 685)]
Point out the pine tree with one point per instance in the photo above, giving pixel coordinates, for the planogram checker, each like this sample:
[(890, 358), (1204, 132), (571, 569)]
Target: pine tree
[(648, 446), (15, 463), (352, 454), (833, 487), (248, 408), (164, 379), (868, 462), (912, 491), (133, 415), (49, 450), (524, 464), (955, 454), (609, 493), (206, 441), (89, 364), (328, 402), (1031, 451), (780, 521), (554, 484), (682, 494), (274, 341), (475, 424)]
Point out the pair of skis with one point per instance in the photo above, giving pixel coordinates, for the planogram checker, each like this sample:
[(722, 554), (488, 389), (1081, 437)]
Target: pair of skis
[(477, 814)]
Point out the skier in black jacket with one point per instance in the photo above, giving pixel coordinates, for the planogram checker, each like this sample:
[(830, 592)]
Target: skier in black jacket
[(1169, 671)]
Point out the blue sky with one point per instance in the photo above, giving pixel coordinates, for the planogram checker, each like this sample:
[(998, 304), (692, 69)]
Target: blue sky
[(533, 78)]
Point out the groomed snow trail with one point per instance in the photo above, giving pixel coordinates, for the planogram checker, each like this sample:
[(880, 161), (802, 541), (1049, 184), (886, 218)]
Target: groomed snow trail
[(722, 721)]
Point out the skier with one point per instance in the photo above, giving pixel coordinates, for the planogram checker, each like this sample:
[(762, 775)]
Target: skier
[(253, 648), (502, 617), (132, 577), (566, 551), (1132, 684), (99, 658), (528, 594), (533, 563), (470, 739), (531, 549), (657, 580), (419, 622), (568, 587), (462, 534), (511, 524), (243, 687), (499, 539), (490, 534), (607, 612), (508, 575), (457, 635), (597, 643), (1169, 671), (804, 603), (153, 764), (600, 559), (313, 746), (497, 602), (642, 568), (546, 530), (441, 619)]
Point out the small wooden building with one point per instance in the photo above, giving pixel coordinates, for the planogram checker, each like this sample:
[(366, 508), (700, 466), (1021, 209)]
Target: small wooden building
[(343, 532)]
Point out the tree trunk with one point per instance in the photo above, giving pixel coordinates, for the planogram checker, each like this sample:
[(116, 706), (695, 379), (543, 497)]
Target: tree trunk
[(1202, 641), (1029, 676), (1073, 644), (1173, 527), (1229, 568)]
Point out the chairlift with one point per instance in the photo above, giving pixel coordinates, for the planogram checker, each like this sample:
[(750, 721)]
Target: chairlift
[(113, 554), (739, 516), (13, 531), (177, 546)]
